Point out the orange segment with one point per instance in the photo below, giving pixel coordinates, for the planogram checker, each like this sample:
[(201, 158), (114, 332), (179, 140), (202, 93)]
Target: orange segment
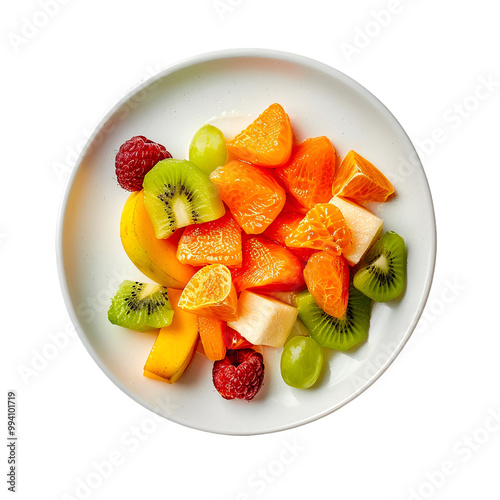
[(292, 205), (323, 228), (282, 227), (309, 174), (210, 292), (253, 196), (327, 278), (212, 334), (268, 266), (361, 181), (214, 242), (267, 141)]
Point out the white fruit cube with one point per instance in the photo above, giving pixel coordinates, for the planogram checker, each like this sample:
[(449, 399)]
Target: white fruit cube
[(365, 228), (264, 320)]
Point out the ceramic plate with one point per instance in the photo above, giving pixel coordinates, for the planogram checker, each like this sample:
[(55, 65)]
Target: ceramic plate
[(229, 89)]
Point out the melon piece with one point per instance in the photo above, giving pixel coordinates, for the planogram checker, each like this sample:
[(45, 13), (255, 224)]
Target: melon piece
[(365, 228), (264, 320)]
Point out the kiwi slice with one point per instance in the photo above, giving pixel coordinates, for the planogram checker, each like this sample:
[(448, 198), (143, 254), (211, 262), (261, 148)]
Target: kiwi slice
[(178, 193), (336, 333), (382, 274), (140, 306)]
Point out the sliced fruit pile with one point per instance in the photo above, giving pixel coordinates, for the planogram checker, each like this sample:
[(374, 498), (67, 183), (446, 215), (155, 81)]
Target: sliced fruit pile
[(248, 242)]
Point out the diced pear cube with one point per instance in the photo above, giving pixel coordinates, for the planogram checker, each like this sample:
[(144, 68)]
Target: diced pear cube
[(365, 228), (264, 320)]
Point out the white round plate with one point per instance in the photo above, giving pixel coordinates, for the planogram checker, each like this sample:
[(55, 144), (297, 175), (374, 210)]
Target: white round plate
[(229, 89)]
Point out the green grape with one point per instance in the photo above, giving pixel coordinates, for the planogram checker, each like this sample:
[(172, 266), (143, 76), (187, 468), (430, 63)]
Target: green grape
[(208, 148), (301, 362)]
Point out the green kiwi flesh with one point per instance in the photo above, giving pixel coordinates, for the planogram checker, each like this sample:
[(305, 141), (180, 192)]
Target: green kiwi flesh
[(382, 274), (336, 333), (177, 193), (140, 306)]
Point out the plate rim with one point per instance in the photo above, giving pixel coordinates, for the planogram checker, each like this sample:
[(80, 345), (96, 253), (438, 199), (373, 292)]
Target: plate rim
[(210, 57)]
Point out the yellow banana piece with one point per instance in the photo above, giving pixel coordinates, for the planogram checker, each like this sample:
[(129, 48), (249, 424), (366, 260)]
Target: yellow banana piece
[(153, 257)]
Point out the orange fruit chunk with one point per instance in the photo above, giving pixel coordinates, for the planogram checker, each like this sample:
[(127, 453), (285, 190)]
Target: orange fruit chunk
[(212, 334), (268, 266), (327, 278), (292, 205), (210, 292), (253, 196), (282, 227), (175, 345), (309, 174), (361, 181), (323, 228), (267, 141), (214, 242)]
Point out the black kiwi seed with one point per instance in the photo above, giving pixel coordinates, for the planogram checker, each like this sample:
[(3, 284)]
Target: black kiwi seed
[(176, 190)]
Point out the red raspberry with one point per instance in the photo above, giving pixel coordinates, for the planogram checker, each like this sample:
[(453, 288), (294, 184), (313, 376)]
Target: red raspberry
[(239, 375), (135, 159)]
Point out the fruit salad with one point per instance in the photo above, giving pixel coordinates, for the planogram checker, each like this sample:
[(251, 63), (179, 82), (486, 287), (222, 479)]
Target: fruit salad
[(250, 240)]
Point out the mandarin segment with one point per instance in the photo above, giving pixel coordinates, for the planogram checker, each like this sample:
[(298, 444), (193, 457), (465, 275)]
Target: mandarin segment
[(361, 181), (267, 141), (327, 278), (292, 205), (253, 196), (282, 227), (215, 242), (309, 174), (210, 292), (268, 266), (323, 228)]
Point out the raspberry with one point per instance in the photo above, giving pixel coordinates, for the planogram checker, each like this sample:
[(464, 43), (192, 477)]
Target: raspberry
[(135, 159), (239, 375)]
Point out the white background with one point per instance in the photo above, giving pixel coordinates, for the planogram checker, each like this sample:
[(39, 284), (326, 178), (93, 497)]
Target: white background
[(427, 428)]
